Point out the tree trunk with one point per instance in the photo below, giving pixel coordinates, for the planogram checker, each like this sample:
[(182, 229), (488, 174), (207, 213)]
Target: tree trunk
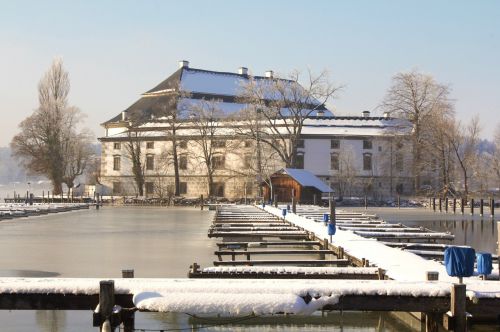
[(176, 164), (210, 178)]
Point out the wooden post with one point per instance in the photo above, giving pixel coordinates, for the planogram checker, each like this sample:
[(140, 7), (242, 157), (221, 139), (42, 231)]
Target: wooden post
[(454, 205), (434, 204), (128, 273), (430, 203), (481, 207), (106, 301), (366, 203), (431, 318), (472, 206), (333, 216), (294, 205), (446, 205), (43, 196), (97, 201), (275, 200), (492, 207), (458, 299), (440, 204), (201, 202), (462, 206)]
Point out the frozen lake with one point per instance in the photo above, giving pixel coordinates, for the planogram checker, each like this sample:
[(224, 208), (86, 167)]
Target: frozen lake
[(155, 242)]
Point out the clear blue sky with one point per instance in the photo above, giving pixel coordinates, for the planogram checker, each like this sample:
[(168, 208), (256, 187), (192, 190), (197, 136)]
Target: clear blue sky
[(115, 50)]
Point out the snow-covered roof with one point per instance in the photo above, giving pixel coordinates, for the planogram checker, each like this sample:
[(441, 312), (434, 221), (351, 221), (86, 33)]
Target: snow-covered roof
[(306, 179), (201, 85)]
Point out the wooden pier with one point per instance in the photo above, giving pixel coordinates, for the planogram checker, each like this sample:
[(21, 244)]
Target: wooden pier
[(18, 210)]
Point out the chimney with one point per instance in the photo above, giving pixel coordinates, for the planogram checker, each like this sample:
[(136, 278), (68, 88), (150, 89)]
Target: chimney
[(183, 64), (269, 74), (386, 115), (243, 71), (124, 115), (366, 114)]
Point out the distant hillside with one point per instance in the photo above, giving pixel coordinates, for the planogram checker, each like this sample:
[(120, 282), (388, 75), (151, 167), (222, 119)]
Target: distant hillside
[(12, 171), (10, 168)]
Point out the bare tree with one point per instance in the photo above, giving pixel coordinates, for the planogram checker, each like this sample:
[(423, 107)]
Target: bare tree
[(278, 108), (136, 156), (495, 158), (78, 151), (464, 140), (173, 109), (206, 120), (49, 143), (417, 97), (344, 177), (440, 152)]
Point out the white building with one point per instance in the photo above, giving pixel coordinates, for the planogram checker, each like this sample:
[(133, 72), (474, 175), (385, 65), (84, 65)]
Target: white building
[(356, 155)]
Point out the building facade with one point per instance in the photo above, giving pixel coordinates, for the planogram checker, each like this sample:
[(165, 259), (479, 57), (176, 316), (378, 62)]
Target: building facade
[(355, 155)]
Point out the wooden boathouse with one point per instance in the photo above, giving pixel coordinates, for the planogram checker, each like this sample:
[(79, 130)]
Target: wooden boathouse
[(300, 184)]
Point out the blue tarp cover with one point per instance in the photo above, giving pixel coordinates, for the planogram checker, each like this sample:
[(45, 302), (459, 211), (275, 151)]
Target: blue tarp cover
[(484, 263), (331, 229), (459, 261)]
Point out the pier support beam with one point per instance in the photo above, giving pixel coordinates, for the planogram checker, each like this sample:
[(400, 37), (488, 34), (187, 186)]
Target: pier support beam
[(106, 303), (456, 318)]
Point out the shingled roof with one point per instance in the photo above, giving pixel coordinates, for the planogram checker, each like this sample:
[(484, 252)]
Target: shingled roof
[(200, 85)]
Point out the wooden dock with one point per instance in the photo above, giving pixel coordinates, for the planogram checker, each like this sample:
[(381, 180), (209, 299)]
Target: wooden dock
[(19, 210)]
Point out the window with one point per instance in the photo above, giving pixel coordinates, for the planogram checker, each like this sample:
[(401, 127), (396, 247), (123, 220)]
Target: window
[(300, 143), (299, 161), (219, 144), (183, 144), (117, 146), (217, 189), (183, 188), (116, 163), (183, 162), (218, 162), (150, 145), (399, 162), (334, 144), (399, 188), (248, 143), (117, 188), (367, 162), (150, 188), (247, 161), (379, 148), (334, 161), (249, 188), (367, 144), (150, 162)]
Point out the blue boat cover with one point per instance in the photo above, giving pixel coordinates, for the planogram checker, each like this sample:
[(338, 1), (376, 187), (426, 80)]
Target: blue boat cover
[(326, 217), (459, 261), (484, 263), (331, 229)]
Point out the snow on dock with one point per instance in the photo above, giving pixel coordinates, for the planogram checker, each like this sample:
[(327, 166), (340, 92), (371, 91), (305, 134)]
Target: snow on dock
[(398, 264), (233, 297)]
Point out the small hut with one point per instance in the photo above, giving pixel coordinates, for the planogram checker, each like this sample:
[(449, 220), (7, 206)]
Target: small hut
[(303, 184)]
